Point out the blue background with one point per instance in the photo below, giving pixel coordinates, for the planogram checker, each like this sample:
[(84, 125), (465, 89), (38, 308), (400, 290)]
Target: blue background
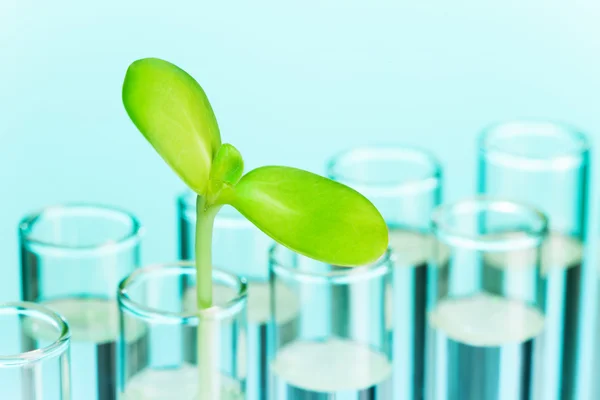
[(291, 83)]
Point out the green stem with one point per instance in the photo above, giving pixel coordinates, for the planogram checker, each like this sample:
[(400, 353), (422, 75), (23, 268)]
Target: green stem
[(207, 333), (204, 229)]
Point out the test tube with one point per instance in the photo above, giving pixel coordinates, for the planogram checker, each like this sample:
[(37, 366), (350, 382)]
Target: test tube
[(72, 259), (546, 165), (154, 305), (405, 184), (342, 357), (486, 302)]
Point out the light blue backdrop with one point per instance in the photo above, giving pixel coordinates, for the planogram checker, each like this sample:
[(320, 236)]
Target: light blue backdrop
[(291, 83)]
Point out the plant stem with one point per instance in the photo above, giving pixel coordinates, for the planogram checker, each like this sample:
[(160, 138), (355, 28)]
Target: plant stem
[(204, 230), (207, 333)]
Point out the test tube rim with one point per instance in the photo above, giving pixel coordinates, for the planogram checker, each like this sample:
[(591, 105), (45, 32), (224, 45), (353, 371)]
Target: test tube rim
[(430, 181), (531, 238), (547, 128), (154, 315), (58, 346), (342, 276), (130, 239)]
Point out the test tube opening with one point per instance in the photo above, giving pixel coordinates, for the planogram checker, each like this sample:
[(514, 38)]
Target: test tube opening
[(382, 170), (534, 144)]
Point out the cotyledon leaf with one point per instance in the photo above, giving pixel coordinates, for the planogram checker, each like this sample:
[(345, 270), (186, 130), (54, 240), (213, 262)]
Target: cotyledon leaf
[(312, 215), (173, 113)]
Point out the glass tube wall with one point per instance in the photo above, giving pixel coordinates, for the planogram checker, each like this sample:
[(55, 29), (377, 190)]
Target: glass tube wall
[(405, 184), (330, 332), (486, 302), (159, 330), (546, 165), (72, 259)]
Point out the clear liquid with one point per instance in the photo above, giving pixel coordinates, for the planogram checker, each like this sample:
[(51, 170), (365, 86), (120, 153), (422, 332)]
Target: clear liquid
[(94, 326), (256, 344), (174, 384), (405, 310), (483, 347), (561, 264), (332, 369)]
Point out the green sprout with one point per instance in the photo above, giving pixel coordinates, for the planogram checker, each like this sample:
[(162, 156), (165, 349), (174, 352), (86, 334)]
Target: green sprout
[(305, 212)]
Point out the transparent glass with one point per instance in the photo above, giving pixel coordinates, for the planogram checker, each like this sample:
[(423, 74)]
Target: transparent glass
[(242, 249), (546, 165), (330, 329), (72, 259), (405, 184), (34, 353), (486, 302), (159, 322)]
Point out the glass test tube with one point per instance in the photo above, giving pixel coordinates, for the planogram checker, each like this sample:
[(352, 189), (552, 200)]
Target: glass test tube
[(242, 249), (154, 303), (334, 352), (546, 165), (405, 185), (486, 302), (72, 258), (34, 354)]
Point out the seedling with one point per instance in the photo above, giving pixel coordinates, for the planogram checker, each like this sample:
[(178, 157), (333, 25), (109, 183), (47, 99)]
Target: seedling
[(311, 215)]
